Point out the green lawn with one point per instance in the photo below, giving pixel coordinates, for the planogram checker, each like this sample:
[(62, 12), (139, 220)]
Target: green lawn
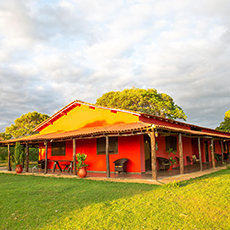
[(30, 202)]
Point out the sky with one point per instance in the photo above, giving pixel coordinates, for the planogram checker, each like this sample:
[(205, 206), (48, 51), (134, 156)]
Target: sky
[(54, 52)]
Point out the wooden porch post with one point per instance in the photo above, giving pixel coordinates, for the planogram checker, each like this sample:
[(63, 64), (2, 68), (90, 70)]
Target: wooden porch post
[(9, 161), (153, 155), (74, 157), (212, 153), (222, 150), (181, 154), (27, 157), (46, 154), (199, 149), (107, 156)]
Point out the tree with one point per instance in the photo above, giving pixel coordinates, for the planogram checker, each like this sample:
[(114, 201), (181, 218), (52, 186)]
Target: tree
[(225, 125), (25, 124), (143, 100), (4, 136)]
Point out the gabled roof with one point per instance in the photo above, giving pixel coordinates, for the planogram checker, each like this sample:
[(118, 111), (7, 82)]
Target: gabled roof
[(77, 103)]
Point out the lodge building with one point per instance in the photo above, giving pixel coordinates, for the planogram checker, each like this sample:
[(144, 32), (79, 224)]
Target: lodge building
[(108, 134)]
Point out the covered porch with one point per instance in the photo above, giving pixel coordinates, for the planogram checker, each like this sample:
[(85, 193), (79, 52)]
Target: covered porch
[(125, 130), (163, 176)]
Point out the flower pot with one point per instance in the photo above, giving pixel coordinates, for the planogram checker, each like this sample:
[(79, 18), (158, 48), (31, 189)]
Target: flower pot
[(82, 172), (170, 167), (18, 169)]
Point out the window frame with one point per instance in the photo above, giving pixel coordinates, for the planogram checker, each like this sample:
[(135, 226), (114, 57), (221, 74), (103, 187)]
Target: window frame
[(171, 143), (58, 148), (101, 144)]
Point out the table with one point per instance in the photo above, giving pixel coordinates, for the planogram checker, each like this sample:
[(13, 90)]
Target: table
[(67, 166)]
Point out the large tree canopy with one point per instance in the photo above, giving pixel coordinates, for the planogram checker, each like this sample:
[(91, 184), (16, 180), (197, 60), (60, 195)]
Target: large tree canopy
[(25, 124), (143, 100), (225, 125)]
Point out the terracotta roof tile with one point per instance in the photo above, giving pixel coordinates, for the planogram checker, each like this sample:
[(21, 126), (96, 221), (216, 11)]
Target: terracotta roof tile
[(112, 129), (116, 128)]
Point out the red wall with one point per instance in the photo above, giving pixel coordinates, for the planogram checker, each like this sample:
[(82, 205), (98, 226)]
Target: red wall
[(128, 147), (187, 149)]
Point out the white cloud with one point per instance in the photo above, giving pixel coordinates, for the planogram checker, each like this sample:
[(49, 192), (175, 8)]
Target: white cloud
[(53, 52)]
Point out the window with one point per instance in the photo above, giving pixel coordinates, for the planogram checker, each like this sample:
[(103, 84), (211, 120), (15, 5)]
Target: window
[(113, 145), (58, 148), (171, 143)]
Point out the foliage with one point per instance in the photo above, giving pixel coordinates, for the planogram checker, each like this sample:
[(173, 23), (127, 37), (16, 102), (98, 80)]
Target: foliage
[(18, 154), (3, 153), (81, 158), (25, 124), (225, 125), (33, 156), (171, 160), (62, 203), (4, 136), (143, 100)]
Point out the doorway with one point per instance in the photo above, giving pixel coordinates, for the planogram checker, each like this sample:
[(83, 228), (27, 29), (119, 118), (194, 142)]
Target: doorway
[(147, 147), (206, 151)]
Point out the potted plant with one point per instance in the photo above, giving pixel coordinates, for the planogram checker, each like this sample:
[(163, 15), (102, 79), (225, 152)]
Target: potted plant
[(18, 157), (81, 166), (171, 160)]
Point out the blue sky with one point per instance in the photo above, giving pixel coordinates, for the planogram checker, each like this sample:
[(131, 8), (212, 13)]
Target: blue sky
[(53, 52)]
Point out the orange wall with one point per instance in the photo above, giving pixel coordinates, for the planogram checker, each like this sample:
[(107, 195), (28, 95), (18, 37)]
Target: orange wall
[(85, 116)]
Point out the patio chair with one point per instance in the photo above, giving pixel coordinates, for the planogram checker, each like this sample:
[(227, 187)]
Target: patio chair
[(189, 161), (195, 159), (120, 165), (163, 163), (218, 157), (41, 164), (177, 160)]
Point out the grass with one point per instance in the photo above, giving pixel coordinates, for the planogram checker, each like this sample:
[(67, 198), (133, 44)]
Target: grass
[(30, 202)]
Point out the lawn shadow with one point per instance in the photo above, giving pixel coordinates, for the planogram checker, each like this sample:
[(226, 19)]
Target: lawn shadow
[(39, 200)]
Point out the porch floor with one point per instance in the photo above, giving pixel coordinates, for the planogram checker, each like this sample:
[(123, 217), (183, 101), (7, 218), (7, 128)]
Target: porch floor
[(163, 177)]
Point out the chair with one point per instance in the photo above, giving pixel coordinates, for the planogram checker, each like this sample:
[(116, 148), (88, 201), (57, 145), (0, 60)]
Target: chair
[(41, 164), (218, 157), (195, 159), (189, 161), (163, 163), (177, 160), (120, 165)]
